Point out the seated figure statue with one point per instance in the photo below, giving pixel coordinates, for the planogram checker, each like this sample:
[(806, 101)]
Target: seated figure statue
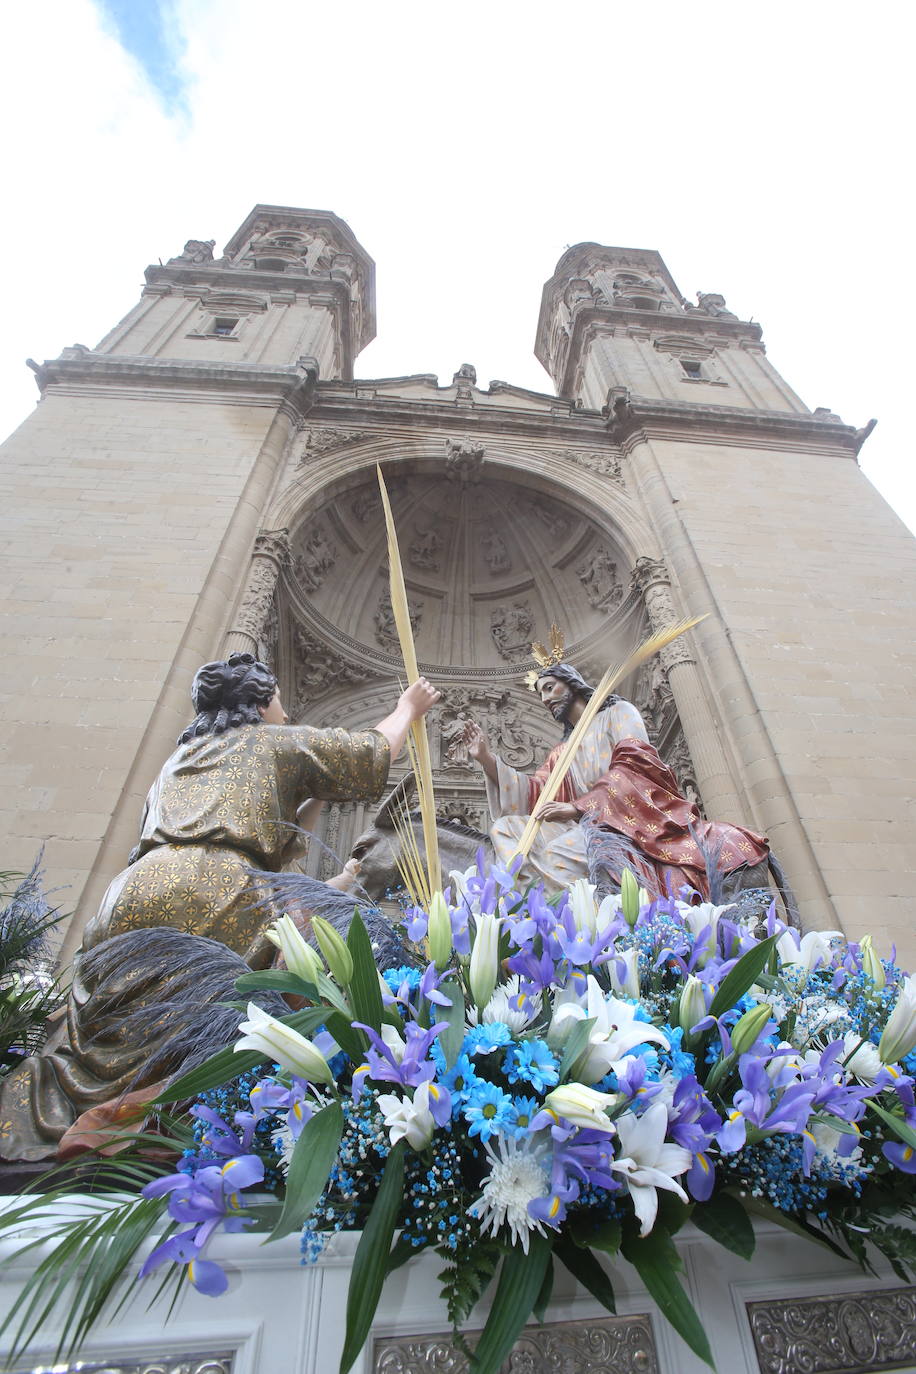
[(224, 804), (618, 807)]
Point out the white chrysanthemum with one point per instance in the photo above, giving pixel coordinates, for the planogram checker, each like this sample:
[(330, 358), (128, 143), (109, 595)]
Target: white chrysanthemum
[(517, 1018), (517, 1176)]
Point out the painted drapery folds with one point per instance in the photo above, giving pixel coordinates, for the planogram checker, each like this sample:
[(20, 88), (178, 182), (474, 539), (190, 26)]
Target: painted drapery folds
[(221, 806)]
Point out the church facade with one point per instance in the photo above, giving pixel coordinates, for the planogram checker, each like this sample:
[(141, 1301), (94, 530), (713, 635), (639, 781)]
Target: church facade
[(205, 480)]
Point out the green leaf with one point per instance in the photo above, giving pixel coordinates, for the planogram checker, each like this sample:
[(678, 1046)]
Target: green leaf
[(352, 1042), (575, 1045), (365, 993), (276, 980), (759, 1207), (312, 1159), (606, 1236), (401, 1252), (725, 1220), (371, 1259), (745, 973), (896, 1123), (542, 1301), (521, 1279), (450, 1040), (586, 1270), (656, 1260), (222, 1067)]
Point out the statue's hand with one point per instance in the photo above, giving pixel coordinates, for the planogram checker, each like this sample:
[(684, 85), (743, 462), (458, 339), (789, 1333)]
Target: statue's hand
[(557, 811), (419, 697), (478, 746)]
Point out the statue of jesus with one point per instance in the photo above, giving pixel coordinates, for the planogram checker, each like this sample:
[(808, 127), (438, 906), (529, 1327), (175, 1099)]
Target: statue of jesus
[(634, 815)]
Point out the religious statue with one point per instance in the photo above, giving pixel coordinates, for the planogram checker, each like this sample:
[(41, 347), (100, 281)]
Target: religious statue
[(225, 804), (618, 807)]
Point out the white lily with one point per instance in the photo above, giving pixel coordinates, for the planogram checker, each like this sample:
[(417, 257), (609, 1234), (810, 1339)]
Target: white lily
[(706, 916), (298, 956), (806, 953), (582, 1106), (871, 964), (628, 985), (408, 1120), (583, 906), (614, 1034), (284, 1045), (899, 1035), (647, 1163), (484, 968)]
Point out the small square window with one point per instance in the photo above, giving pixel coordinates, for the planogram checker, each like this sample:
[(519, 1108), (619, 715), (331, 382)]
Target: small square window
[(225, 328), (692, 368)]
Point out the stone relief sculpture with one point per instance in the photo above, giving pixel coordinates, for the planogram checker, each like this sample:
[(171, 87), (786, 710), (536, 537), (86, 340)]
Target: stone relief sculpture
[(315, 561), (556, 523), (318, 441), (271, 553), (320, 668), (495, 553), (423, 552), (598, 575), (505, 723), (385, 629), (512, 628)]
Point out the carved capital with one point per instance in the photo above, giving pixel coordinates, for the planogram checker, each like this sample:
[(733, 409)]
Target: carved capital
[(650, 578), (273, 544)]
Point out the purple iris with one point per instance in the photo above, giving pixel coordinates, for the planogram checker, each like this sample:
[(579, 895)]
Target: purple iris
[(753, 1105), (207, 1199), (588, 1155), (693, 1123), (411, 1070), (552, 1208)]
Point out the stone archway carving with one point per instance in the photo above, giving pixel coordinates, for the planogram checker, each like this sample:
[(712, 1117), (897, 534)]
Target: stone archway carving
[(488, 566)]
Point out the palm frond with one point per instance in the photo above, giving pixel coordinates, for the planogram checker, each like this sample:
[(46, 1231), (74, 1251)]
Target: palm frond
[(614, 674), (420, 738)]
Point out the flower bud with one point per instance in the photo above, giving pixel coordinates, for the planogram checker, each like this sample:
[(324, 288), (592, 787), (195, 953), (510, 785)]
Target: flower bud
[(582, 904), (484, 968), (281, 1043), (581, 1106), (298, 956), (334, 949), (439, 932), (629, 897), (871, 964), (749, 1027), (691, 1006)]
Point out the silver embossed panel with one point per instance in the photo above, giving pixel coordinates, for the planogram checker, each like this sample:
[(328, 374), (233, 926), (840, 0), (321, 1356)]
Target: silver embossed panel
[(174, 1364), (607, 1345), (854, 1334)]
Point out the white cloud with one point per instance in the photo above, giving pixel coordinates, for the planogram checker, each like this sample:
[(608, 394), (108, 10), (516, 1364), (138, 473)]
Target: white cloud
[(761, 150)]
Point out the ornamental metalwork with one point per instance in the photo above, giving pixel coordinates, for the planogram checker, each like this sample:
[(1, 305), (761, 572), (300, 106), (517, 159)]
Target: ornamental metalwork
[(607, 1345), (854, 1334)]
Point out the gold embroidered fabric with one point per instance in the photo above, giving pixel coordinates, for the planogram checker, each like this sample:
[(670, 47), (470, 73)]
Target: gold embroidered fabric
[(223, 804)]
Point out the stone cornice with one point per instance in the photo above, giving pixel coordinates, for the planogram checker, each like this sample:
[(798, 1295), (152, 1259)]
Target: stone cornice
[(290, 386), (590, 321), (632, 419)]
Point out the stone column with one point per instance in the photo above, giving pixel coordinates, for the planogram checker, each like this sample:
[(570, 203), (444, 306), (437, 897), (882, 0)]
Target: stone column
[(271, 554), (651, 579)]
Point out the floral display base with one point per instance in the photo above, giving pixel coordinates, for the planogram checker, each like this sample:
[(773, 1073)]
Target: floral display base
[(794, 1309)]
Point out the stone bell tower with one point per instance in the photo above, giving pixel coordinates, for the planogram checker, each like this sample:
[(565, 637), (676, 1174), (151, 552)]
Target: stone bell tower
[(131, 499), (798, 703)]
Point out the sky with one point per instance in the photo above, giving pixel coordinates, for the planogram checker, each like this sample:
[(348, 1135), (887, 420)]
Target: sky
[(761, 149)]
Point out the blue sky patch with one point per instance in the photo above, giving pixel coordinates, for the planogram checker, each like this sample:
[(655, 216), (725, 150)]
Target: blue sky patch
[(146, 29)]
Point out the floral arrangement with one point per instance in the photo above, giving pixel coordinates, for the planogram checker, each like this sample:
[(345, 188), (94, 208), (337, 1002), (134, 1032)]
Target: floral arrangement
[(553, 1080)]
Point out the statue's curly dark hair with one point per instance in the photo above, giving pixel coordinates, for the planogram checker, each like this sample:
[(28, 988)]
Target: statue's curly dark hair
[(228, 693), (565, 672)]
